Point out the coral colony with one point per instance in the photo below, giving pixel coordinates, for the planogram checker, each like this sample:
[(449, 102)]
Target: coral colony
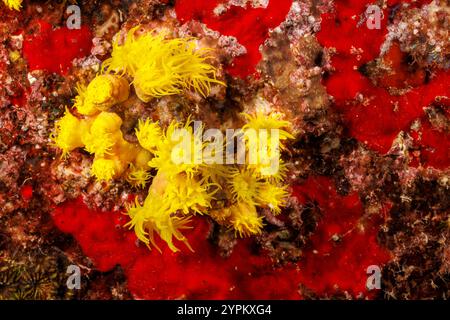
[(216, 149)]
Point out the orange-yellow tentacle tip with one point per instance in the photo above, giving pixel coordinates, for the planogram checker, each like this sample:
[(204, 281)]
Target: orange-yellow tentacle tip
[(13, 4)]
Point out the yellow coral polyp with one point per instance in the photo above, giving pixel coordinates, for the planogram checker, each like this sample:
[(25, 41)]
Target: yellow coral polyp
[(13, 4), (270, 121), (68, 133), (105, 169), (179, 150), (245, 220), (153, 218), (138, 177), (83, 106), (126, 57), (187, 194), (103, 134), (100, 145), (169, 197), (244, 186), (139, 173), (149, 134), (248, 188), (162, 67), (106, 122), (272, 196), (103, 92)]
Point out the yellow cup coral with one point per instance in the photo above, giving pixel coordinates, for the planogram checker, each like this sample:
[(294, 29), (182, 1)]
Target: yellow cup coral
[(68, 133), (181, 189), (106, 169), (261, 121), (159, 212), (178, 150), (161, 66), (245, 220), (103, 134), (103, 92), (244, 186), (107, 90), (272, 196), (149, 134)]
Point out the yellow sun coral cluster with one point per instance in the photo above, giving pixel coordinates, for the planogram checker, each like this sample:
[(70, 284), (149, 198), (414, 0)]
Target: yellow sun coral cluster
[(13, 4), (250, 190), (183, 188), (177, 190), (185, 178), (160, 66)]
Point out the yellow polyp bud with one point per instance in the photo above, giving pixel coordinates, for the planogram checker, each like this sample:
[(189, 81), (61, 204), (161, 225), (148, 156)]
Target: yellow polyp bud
[(106, 122), (125, 151), (138, 177), (149, 134), (103, 134), (106, 169), (269, 121), (245, 220), (272, 196), (245, 186), (14, 56), (139, 171), (104, 91), (13, 4), (68, 131), (142, 159), (83, 106)]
